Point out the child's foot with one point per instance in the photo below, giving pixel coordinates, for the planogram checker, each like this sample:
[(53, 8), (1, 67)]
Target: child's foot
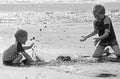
[(26, 62), (114, 60), (22, 65), (18, 64), (107, 53)]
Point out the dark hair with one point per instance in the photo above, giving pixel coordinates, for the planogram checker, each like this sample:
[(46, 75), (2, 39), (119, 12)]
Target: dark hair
[(20, 34), (100, 8)]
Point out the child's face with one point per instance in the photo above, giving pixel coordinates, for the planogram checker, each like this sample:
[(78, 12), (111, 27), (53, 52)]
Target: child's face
[(97, 14), (23, 40)]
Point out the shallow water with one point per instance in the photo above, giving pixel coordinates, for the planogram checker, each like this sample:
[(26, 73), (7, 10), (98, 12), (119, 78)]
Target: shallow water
[(54, 6)]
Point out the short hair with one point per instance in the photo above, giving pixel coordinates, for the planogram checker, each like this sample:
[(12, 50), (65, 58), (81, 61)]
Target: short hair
[(100, 8), (20, 34)]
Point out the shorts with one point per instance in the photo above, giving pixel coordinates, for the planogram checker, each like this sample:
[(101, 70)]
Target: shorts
[(109, 43)]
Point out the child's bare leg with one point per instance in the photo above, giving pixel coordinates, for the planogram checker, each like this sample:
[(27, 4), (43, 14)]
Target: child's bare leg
[(27, 57), (99, 52), (116, 50), (17, 60), (106, 51)]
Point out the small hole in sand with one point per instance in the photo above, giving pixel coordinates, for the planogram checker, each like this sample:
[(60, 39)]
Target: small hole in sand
[(106, 75)]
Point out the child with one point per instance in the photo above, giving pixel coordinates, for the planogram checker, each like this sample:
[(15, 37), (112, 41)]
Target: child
[(104, 28), (13, 55)]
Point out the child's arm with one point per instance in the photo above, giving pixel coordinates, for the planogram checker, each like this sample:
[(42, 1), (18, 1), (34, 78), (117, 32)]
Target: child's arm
[(107, 31), (105, 34), (89, 35), (28, 47), (102, 37), (107, 28)]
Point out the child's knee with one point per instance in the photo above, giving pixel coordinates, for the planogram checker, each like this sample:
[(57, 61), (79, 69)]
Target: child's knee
[(20, 56), (97, 55), (98, 52)]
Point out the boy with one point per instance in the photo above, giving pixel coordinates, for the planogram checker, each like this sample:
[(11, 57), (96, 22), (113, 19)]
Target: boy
[(104, 28), (13, 55)]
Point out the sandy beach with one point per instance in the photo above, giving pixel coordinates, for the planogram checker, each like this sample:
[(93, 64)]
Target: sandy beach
[(54, 41), (53, 38)]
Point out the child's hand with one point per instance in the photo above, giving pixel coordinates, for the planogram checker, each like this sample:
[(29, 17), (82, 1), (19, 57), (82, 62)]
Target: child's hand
[(96, 41), (83, 38), (32, 45)]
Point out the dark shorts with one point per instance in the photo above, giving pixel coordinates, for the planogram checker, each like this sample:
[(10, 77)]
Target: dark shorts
[(109, 43)]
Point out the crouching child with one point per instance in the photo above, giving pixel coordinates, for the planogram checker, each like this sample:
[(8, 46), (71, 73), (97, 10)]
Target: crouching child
[(13, 56)]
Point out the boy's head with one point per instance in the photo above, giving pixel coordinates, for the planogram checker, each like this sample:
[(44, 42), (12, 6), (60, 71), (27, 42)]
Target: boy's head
[(21, 36), (98, 11)]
